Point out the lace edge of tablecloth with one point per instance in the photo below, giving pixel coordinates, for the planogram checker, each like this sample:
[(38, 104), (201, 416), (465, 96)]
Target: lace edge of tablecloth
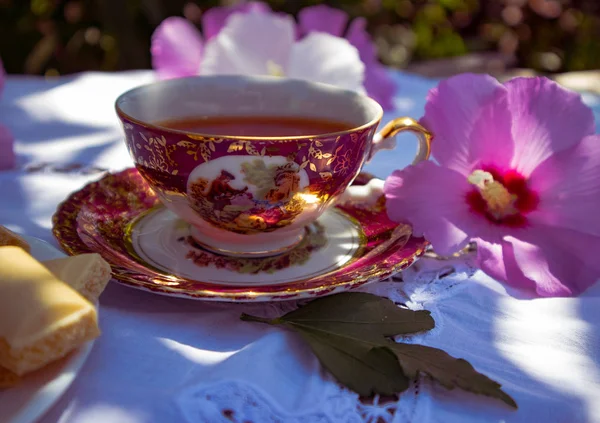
[(419, 287)]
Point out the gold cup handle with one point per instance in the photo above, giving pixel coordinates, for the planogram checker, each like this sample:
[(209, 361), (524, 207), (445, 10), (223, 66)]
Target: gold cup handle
[(384, 139)]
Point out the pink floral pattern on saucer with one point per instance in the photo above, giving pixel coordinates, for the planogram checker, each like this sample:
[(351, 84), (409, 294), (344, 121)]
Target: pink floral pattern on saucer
[(99, 217), (311, 243)]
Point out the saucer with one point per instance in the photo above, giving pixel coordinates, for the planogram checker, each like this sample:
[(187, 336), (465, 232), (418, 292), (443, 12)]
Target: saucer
[(150, 248)]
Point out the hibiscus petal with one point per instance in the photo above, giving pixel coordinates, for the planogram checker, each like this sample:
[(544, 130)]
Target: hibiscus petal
[(499, 262), (378, 81), (491, 137), (534, 263), (380, 85), (546, 118), (490, 260), (176, 48), (562, 262), (322, 18), (432, 199), (215, 18), (568, 185), (545, 261), (250, 44), (2, 77), (451, 112), (321, 57), (7, 154), (360, 38)]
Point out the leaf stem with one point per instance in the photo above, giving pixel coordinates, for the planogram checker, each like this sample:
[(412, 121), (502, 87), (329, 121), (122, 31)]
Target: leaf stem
[(248, 318)]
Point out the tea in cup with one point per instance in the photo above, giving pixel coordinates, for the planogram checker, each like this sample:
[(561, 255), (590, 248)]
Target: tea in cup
[(250, 162)]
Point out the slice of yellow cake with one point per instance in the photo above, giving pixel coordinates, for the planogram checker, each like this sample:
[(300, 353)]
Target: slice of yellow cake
[(88, 274), (8, 237), (41, 318)]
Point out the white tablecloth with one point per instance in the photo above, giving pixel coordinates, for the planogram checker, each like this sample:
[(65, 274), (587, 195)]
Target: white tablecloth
[(161, 359)]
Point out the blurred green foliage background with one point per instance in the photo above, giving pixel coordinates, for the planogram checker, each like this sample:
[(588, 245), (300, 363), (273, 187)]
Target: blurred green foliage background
[(50, 37)]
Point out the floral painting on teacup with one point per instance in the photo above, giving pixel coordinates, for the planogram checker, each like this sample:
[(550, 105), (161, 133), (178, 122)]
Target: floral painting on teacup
[(249, 195)]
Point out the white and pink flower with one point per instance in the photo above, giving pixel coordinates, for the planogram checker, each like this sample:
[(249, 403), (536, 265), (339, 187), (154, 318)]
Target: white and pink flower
[(250, 39)]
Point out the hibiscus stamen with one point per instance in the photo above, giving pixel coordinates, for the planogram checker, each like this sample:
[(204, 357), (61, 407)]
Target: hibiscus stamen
[(500, 202), (274, 69)]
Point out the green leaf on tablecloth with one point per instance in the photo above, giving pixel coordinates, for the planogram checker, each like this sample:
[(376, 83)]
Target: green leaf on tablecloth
[(365, 369), (350, 335), (450, 372), (360, 314)]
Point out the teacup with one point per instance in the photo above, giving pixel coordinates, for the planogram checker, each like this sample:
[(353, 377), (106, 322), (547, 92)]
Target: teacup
[(253, 194)]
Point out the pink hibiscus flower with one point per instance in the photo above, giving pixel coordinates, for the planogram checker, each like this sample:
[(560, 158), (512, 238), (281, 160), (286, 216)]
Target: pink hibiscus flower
[(7, 154), (178, 48), (518, 173)]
